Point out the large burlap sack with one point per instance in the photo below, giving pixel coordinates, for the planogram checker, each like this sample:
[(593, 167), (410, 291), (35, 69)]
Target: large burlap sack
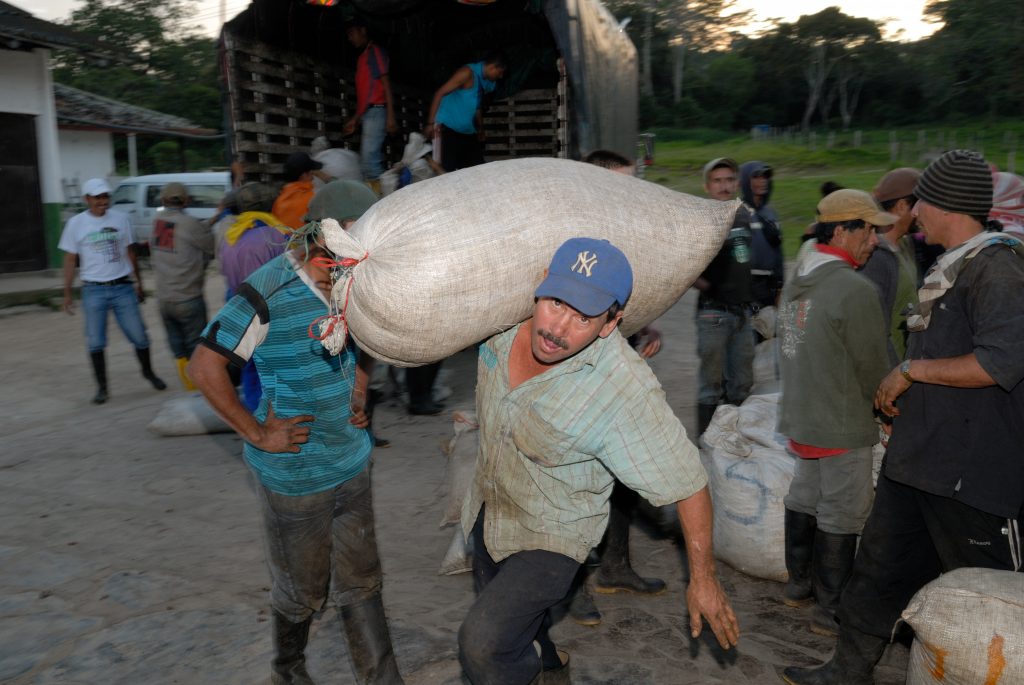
[(766, 367), (188, 415), (969, 629), (749, 472), (453, 260)]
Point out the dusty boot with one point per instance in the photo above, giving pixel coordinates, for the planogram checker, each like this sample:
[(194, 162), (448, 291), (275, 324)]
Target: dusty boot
[(289, 665), (369, 643), (800, 529), (615, 573), (705, 412), (582, 608), (99, 369), (147, 368), (831, 568), (852, 663), (186, 382)]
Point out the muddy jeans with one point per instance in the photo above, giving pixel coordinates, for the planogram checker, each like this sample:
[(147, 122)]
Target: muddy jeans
[(321, 545), (725, 345)]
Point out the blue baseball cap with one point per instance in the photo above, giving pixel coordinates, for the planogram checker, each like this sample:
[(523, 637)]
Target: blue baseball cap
[(589, 275)]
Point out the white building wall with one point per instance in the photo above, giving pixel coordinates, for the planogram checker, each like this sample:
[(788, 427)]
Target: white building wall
[(85, 155), (27, 89)]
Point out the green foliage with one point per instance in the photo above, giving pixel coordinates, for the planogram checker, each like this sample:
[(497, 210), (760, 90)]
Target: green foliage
[(799, 171), (166, 65)]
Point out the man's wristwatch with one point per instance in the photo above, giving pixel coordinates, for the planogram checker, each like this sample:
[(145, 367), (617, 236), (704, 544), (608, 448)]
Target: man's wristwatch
[(905, 370)]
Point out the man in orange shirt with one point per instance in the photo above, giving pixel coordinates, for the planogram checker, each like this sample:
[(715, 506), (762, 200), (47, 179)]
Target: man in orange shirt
[(291, 205)]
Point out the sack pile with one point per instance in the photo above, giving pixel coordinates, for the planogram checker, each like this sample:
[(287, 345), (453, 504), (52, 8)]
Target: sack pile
[(187, 415), (453, 260)]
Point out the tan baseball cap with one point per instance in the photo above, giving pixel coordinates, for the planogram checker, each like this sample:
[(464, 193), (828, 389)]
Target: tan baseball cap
[(848, 204), (720, 162), (174, 191)]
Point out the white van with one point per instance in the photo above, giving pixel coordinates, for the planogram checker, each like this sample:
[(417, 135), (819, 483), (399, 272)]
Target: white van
[(139, 197)]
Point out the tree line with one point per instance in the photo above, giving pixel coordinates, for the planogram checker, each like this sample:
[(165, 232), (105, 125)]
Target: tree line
[(824, 70)]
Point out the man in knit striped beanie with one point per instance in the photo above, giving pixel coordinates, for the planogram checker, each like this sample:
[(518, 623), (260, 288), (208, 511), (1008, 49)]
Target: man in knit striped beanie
[(951, 490)]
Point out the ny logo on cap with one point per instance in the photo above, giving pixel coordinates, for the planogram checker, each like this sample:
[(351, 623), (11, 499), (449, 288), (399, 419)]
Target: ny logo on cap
[(585, 261)]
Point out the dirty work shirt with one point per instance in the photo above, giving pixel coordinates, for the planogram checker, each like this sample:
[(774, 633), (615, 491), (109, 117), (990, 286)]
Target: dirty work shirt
[(268, 321), (101, 243), (551, 449), (179, 251)]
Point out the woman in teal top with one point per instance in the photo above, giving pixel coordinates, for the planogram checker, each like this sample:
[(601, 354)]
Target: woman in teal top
[(455, 112)]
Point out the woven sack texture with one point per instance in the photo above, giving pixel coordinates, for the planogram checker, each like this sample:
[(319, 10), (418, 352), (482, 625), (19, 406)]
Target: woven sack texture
[(749, 472), (453, 260), (969, 628)]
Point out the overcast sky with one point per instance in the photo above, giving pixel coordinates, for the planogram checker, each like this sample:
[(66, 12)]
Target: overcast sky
[(903, 18)]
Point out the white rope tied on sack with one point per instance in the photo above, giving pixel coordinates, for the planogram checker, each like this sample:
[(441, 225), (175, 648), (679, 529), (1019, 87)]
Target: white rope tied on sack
[(333, 328)]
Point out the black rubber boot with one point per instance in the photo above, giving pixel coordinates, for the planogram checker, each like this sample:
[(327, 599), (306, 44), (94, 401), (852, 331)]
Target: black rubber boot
[(147, 369), (615, 573), (705, 412), (852, 663), (582, 608), (369, 643), (831, 568), (419, 381), (99, 369), (800, 530), (289, 665)]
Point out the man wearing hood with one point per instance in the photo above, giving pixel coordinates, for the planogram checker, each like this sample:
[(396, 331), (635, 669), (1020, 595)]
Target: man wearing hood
[(766, 265), (833, 354)]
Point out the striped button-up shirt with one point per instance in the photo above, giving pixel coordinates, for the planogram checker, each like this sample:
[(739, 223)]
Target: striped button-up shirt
[(551, 449)]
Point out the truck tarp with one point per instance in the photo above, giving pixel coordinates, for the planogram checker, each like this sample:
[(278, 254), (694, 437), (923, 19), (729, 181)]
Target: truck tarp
[(428, 39)]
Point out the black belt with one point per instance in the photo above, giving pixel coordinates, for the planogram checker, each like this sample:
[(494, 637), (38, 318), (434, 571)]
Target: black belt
[(117, 281)]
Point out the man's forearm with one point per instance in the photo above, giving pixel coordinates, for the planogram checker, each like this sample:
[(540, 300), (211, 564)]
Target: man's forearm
[(208, 370), (956, 372), (69, 272), (695, 517)]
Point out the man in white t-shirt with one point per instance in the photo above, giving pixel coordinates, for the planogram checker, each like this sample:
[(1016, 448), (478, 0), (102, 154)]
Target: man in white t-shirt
[(101, 240)]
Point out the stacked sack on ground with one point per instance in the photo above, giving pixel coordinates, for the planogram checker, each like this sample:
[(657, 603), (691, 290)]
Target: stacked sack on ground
[(969, 629), (461, 452)]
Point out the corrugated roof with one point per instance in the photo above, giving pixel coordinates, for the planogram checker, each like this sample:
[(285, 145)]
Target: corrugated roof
[(20, 30), (78, 108)]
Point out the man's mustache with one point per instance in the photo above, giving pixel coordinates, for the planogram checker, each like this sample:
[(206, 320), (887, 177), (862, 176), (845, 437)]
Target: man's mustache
[(554, 339)]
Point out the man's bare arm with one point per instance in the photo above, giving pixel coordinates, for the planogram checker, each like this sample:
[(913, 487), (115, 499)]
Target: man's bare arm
[(209, 371), (69, 278), (958, 372), (705, 598)]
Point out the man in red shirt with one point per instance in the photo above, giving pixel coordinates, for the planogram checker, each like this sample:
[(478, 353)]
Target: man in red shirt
[(374, 104)]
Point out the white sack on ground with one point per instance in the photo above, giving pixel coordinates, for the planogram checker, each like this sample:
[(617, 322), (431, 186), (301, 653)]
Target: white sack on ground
[(969, 628), (749, 472), (187, 415), (766, 367), (461, 451), (455, 259)]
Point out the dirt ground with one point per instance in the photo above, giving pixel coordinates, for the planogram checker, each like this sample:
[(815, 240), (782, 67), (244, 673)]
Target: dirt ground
[(131, 558)]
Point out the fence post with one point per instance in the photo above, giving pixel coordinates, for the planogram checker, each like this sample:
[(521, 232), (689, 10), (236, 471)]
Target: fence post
[(812, 141), (831, 142), (856, 139), (894, 147)]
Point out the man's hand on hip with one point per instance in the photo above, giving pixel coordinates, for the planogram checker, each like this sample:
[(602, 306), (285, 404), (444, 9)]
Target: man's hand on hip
[(282, 435)]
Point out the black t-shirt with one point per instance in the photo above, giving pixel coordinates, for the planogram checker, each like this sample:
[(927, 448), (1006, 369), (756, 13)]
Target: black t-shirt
[(729, 272), (968, 443)]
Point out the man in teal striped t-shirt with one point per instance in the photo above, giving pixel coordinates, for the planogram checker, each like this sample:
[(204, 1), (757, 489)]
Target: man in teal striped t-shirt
[(308, 445)]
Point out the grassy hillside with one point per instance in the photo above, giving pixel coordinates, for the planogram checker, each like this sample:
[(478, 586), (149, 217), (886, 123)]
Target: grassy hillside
[(800, 170)]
